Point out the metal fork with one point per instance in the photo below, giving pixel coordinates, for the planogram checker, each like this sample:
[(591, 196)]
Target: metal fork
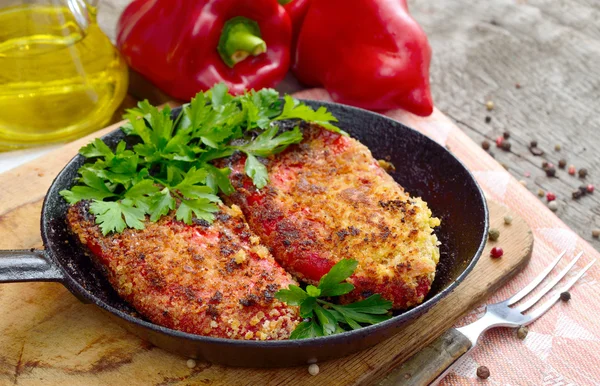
[(503, 315)]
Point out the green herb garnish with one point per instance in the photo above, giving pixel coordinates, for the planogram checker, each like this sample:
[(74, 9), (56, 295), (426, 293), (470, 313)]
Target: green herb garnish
[(170, 168), (327, 318)]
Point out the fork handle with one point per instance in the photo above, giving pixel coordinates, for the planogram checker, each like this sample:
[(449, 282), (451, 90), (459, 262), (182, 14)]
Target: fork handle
[(431, 362)]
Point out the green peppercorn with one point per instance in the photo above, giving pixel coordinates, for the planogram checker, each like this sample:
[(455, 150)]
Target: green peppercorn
[(508, 219), (494, 234), (522, 332)]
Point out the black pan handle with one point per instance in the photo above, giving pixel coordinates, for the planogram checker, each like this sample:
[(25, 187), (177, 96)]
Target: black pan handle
[(28, 265)]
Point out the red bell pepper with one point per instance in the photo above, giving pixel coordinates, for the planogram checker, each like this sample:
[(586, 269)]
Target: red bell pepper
[(297, 10), (370, 54), (187, 46)]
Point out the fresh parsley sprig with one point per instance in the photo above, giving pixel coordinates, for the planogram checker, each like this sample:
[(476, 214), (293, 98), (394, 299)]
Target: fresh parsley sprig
[(327, 318), (170, 168)]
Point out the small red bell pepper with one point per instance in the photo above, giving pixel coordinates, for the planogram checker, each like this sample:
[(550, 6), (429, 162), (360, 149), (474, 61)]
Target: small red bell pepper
[(370, 54), (187, 46)]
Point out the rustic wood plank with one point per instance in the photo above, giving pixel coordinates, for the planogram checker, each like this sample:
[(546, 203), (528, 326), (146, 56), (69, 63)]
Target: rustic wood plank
[(552, 49)]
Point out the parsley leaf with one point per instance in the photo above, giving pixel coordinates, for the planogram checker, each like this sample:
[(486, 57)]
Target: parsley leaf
[(169, 168), (293, 109), (327, 318), (201, 208), (267, 143), (116, 215), (257, 171)]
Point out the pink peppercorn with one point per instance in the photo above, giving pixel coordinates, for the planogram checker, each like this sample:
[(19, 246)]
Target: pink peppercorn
[(499, 141), (550, 196), (496, 252), (590, 188), (572, 170)]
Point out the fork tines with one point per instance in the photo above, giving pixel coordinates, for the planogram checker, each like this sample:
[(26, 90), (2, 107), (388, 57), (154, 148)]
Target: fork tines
[(547, 288)]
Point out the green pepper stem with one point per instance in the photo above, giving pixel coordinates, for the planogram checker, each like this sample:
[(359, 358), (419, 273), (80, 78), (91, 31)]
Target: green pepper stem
[(284, 2), (240, 38)]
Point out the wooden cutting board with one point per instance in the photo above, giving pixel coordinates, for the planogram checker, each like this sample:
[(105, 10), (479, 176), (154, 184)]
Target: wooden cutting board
[(48, 337)]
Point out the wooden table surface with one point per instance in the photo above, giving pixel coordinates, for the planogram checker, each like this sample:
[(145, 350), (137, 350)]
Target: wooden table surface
[(481, 51)]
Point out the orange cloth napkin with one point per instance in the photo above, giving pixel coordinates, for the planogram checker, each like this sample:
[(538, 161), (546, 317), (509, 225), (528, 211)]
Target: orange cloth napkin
[(563, 346)]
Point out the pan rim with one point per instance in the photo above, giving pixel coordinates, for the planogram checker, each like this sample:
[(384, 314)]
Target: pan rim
[(74, 286)]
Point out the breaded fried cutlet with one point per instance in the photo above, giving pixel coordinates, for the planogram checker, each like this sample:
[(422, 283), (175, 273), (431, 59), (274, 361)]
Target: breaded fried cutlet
[(328, 199), (214, 279)]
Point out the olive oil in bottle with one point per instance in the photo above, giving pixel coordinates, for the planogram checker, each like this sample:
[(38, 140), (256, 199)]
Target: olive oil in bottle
[(60, 76)]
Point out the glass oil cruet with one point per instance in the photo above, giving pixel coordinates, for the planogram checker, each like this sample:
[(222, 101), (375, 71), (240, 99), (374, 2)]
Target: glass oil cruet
[(60, 76)]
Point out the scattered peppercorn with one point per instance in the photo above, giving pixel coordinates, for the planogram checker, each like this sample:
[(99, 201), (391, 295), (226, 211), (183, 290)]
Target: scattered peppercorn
[(583, 173), (508, 219), (557, 147), (483, 372), (590, 188), (545, 164), (523, 182), (533, 143), (496, 252), (553, 206), (583, 189), (550, 170), (595, 233), (571, 170), (562, 163), (576, 194), (488, 119), (505, 166), (489, 105), (506, 146), (541, 192), (494, 234), (517, 86), (506, 135), (191, 363), (522, 332), (313, 369), (499, 141), (550, 196), (527, 174), (485, 145), (536, 151), (565, 296)]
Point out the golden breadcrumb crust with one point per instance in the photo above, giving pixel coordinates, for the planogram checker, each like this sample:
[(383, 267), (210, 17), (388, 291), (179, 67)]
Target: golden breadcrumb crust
[(215, 280), (328, 199)]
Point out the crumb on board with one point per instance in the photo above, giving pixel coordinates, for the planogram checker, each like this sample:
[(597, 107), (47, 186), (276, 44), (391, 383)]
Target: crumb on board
[(313, 369)]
